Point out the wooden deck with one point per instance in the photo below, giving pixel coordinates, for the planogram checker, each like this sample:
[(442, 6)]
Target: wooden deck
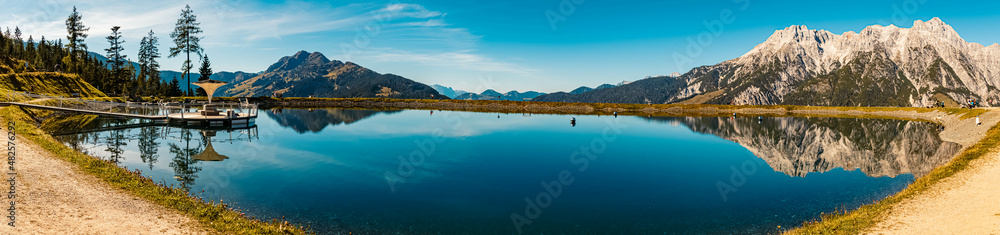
[(239, 118), (199, 117)]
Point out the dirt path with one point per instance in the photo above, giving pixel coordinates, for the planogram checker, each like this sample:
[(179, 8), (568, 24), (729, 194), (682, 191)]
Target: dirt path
[(53, 197), (966, 203)]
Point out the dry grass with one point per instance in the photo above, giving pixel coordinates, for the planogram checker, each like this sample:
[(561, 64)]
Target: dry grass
[(700, 99), (53, 84)]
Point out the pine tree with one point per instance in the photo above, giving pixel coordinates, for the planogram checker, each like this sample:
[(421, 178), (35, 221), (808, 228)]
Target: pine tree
[(186, 40), (129, 83), (206, 73), (41, 55), (206, 69), (29, 52), (174, 89), (149, 68), (10, 43), (18, 42), (116, 60), (76, 34), (3, 45)]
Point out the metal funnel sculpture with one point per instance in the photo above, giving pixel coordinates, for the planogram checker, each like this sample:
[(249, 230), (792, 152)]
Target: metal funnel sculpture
[(209, 86)]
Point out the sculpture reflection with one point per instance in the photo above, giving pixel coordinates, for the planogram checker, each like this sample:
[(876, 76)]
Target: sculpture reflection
[(209, 154)]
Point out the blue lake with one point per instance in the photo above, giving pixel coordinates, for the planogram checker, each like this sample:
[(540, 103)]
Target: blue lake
[(417, 172)]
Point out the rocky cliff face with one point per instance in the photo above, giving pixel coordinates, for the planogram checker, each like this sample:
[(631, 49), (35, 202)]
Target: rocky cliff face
[(312, 74), (798, 146), (880, 66)]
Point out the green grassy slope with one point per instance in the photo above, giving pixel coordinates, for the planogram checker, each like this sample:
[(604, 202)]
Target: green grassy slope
[(15, 76)]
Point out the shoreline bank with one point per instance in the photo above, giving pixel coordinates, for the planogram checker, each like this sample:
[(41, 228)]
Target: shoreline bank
[(959, 123)]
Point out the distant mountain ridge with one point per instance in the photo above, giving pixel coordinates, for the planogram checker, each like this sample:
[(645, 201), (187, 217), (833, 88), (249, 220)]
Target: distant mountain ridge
[(448, 91), (880, 66), (565, 97), (491, 94), (168, 75), (312, 74)]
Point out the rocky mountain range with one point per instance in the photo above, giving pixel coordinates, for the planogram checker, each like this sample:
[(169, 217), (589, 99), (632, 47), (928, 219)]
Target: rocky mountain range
[(312, 74), (798, 146), (880, 66)]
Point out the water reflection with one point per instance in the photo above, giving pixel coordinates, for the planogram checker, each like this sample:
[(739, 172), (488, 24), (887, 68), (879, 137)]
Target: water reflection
[(794, 146), (111, 139), (315, 120), (209, 154), (798, 146), (148, 144), (185, 166), (327, 169)]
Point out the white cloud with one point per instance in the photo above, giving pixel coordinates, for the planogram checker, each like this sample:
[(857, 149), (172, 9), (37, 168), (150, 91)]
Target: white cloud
[(428, 23), (411, 10), (464, 59), (222, 21), (405, 33)]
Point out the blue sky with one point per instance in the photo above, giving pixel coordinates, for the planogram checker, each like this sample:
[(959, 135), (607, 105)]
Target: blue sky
[(502, 45)]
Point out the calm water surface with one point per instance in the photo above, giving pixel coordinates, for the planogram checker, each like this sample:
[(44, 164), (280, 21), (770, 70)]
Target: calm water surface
[(414, 172)]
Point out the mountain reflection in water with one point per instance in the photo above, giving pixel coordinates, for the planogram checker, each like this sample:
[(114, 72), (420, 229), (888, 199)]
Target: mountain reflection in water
[(798, 146), (327, 168), (315, 120)]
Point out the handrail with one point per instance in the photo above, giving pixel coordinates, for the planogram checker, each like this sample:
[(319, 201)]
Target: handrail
[(164, 109)]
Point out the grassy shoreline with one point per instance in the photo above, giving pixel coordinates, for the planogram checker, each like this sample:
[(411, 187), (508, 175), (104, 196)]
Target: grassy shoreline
[(597, 108), (214, 215)]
